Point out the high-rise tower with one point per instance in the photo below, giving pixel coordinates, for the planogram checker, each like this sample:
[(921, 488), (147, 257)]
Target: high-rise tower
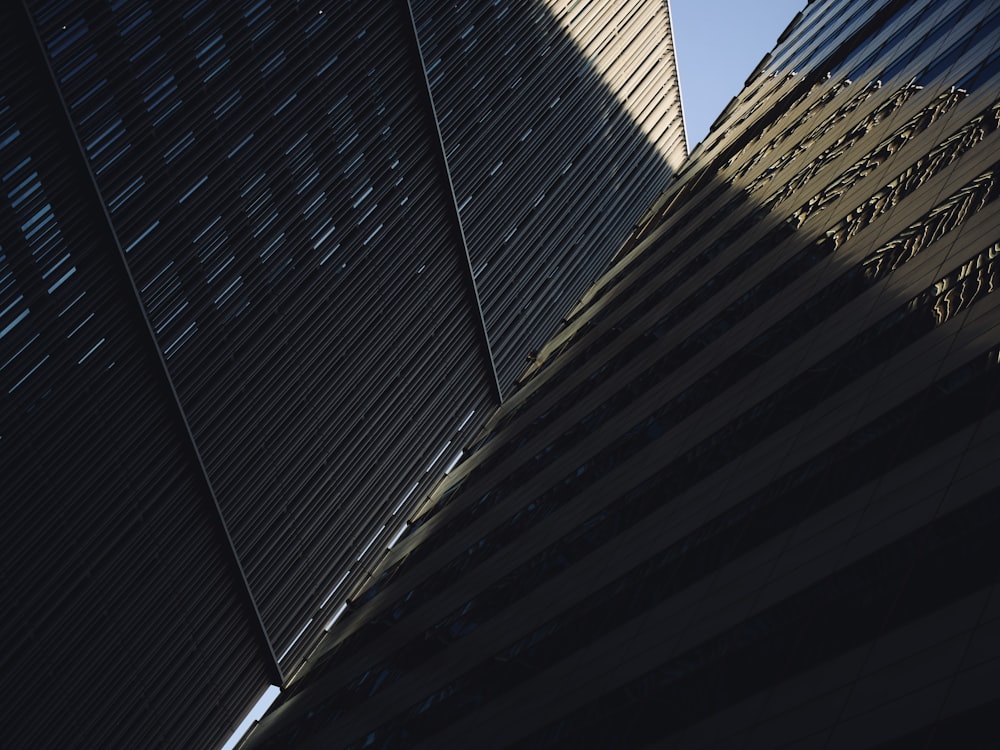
[(244, 319), (749, 495), (530, 98)]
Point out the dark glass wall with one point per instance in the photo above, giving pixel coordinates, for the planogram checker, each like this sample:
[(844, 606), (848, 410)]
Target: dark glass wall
[(241, 332), (748, 496), (119, 583), (270, 175)]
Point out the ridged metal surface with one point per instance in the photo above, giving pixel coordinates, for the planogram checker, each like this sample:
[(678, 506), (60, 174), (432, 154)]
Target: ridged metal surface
[(271, 177), (748, 497), (286, 313), (559, 121), (118, 583)]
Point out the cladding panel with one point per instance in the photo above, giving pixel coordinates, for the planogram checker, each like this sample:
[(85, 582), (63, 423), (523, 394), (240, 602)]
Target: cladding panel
[(92, 436), (756, 458), (287, 228)]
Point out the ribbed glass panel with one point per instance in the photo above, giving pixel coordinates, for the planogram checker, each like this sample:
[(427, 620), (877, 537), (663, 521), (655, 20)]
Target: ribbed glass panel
[(748, 497), (125, 623), (271, 174)]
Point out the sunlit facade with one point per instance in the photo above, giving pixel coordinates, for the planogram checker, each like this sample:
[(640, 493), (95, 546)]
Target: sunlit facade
[(748, 496), (549, 108)]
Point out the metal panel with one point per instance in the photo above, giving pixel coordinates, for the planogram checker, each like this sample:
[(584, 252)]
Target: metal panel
[(119, 585)]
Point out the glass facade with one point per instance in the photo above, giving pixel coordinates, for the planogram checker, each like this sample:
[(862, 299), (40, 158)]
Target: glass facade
[(266, 268), (745, 496)]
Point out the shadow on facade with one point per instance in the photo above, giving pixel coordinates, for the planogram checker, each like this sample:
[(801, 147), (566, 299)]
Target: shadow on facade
[(561, 127), (750, 312), (732, 308), (239, 321)]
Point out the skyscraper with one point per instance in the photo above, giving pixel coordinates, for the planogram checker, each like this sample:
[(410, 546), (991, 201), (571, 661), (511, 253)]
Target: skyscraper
[(531, 97), (247, 320), (748, 496)]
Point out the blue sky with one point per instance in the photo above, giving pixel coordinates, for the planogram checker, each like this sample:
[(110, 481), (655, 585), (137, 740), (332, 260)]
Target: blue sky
[(718, 43)]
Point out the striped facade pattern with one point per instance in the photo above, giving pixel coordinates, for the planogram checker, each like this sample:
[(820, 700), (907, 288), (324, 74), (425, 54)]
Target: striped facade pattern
[(748, 496), (530, 96), (240, 334), (110, 526)]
